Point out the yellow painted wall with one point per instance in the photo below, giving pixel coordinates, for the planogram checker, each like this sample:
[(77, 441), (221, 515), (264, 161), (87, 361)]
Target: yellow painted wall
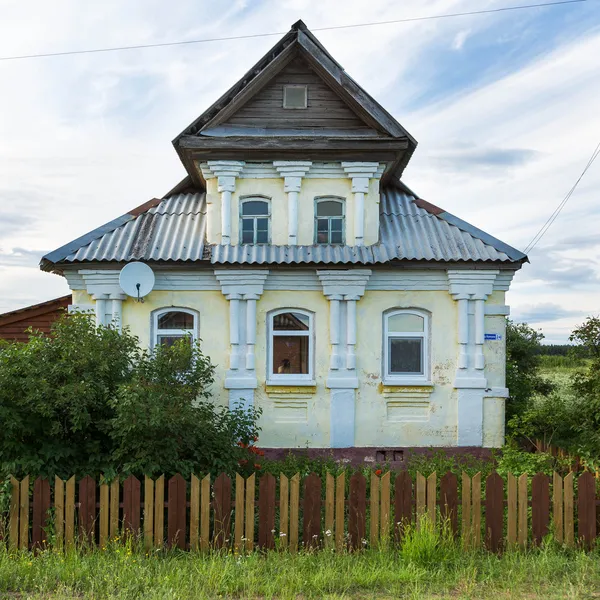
[(274, 189)]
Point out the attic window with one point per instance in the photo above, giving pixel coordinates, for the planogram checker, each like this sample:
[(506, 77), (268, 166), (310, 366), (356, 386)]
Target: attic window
[(295, 96)]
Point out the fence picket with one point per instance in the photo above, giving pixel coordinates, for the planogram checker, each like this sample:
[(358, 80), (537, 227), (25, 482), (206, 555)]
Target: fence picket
[(421, 507), (466, 510), (159, 512), (115, 490), (432, 497), (476, 510), (41, 506), (284, 510), (340, 509), (294, 511), (250, 498), (131, 505), (374, 511), (586, 509), (59, 511), (205, 514), (357, 508), (104, 514), (266, 511), (312, 511), (329, 510), (87, 509), (449, 501), (522, 510), (494, 511), (222, 510), (176, 512), (511, 510), (148, 513), (569, 506), (13, 528), (385, 509), (403, 509), (557, 506), (70, 512), (24, 514), (540, 507), (238, 531), (195, 511)]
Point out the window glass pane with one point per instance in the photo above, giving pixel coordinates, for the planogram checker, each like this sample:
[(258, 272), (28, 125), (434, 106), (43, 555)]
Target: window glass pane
[(329, 208), (336, 237), (176, 320), (247, 224), (322, 237), (262, 224), (262, 237), (291, 321), (336, 224), (405, 355), (290, 355), (247, 237), (255, 207), (169, 340), (322, 224), (406, 322)]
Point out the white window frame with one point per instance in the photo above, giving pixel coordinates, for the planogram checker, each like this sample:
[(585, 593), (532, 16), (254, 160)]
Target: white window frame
[(339, 200), (286, 87), (294, 379), (174, 332), (255, 198), (423, 378)]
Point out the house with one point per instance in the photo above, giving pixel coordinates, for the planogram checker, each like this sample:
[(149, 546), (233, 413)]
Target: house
[(352, 312), (14, 325)]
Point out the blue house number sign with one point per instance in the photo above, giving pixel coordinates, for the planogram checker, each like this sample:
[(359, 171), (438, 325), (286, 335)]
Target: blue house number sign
[(489, 337)]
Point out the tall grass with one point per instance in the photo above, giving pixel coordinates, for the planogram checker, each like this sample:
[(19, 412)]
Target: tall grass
[(430, 564)]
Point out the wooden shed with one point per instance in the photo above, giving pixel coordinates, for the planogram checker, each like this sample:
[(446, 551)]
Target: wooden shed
[(14, 324)]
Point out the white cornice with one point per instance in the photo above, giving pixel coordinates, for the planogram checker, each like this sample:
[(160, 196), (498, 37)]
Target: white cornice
[(242, 282), (474, 283), (350, 283)]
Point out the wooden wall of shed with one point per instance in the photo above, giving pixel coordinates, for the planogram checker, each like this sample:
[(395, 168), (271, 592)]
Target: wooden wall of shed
[(13, 325), (325, 108)]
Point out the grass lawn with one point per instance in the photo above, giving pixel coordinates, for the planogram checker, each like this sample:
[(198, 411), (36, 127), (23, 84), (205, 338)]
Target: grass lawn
[(119, 572)]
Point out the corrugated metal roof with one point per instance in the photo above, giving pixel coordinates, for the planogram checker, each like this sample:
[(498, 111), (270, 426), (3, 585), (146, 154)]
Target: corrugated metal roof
[(174, 229)]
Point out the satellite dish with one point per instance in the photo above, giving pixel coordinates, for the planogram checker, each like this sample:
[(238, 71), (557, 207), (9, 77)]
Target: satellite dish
[(136, 280)]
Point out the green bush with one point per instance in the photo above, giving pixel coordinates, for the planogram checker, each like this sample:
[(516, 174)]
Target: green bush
[(89, 400)]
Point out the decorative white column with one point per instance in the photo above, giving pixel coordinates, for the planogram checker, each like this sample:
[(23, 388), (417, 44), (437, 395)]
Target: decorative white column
[(470, 288), (243, 288), (117, 309), (343, 288), (226, 172), (101, 306), (360, 173), (292, 171)]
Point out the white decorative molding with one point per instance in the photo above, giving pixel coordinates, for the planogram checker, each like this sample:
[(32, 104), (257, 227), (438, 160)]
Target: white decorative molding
[(360, 173), (243, 288), (292, 171), (226, 172), (503, 280), (497, 310), (408, 279)]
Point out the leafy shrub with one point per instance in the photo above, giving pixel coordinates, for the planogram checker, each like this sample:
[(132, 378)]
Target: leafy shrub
[(88, 400)]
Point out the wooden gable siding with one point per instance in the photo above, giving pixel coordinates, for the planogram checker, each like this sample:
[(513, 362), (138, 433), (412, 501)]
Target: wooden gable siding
[(325, 108), (13, 325)]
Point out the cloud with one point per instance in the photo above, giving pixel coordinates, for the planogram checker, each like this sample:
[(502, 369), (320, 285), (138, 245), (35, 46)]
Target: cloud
[(460, 38), (21, 257), (543, 313), (472, 156)]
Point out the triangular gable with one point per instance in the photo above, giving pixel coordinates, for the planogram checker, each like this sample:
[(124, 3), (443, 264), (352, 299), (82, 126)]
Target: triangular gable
[(300, 44)]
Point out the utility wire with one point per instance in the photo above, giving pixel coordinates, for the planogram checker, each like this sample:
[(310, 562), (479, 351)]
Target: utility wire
[(259, 35), (540, 234)]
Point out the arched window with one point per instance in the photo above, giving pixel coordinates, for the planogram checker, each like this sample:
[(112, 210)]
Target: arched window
[(290, 347), (255, 221), (406, 345), (329, 221), (172, 324)]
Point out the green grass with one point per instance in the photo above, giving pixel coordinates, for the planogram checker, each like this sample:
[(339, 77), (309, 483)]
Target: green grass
[(423, 570)]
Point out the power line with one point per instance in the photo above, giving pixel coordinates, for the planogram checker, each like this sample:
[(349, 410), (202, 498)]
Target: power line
[(540, 234), (259, 35)]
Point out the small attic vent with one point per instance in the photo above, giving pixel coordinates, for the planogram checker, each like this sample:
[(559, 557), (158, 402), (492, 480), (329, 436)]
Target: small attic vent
[(295, 96)]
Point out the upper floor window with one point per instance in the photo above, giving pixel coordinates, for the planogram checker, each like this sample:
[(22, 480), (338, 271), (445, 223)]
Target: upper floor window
[(406, 353), (295, 96), (329, 221), (172, 324), (255, 218), (290, 346)]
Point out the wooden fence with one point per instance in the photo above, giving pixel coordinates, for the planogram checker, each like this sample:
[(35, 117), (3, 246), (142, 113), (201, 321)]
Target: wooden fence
[(290, 513)]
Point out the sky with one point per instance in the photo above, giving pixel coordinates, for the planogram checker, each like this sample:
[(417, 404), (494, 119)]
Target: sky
[(505, 108)]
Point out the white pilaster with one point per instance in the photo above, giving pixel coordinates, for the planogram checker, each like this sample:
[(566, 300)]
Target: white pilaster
[(101, 301), (243, 288), (470, 288), (343, 288), (360, 173), (292, 171), (116, 300), (226, 172)]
